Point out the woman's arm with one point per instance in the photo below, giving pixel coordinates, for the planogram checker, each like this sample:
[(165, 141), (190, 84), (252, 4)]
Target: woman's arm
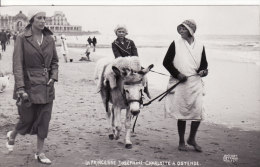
[(116, 51), (203, 62), (168, 61), (134, 49), (54, 64), (18, 59), (203, 71)]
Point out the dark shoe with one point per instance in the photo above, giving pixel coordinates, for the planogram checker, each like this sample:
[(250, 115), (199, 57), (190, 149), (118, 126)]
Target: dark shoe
[(183, 148), (42, 158), (195, 145)]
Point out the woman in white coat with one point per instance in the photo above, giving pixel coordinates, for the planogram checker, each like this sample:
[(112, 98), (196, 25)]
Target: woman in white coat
[(186, 62), (64, 48)]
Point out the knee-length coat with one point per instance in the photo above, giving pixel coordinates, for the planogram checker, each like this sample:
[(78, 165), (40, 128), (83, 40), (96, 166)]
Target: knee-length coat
[(34, 65)]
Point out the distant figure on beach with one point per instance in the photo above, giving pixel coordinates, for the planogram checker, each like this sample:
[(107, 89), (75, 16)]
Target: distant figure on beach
[(8, 34), (64, 48), (89, 41), (87, 52), (3, 40), (55, 38), (122, 46), (14, 36), (94, 41), (186, 62), (35, 69)]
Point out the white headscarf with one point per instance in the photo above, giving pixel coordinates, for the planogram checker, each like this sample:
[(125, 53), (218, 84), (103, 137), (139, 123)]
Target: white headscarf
[(34, 12)]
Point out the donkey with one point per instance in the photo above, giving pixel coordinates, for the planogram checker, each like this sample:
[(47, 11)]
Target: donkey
[(123, 87)]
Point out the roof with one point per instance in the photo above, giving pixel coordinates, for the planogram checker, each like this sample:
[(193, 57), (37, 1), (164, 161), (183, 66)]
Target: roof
[(20, 15)]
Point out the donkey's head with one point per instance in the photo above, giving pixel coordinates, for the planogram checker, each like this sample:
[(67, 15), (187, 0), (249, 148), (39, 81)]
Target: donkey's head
[(132, 86)]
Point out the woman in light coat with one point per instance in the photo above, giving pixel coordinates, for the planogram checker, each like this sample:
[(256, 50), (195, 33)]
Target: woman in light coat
[(35, 68), (64, 48), (186, 62)]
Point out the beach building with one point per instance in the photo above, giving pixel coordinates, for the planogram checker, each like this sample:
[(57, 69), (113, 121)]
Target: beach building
[(13, 23), (57, 23)]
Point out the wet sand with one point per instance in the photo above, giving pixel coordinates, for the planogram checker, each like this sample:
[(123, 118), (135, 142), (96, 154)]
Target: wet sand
[(78, 130)]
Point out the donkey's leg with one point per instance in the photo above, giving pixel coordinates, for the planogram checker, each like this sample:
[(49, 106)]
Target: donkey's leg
[(112, 135), (108, 114), (128, 143), (118, 125)]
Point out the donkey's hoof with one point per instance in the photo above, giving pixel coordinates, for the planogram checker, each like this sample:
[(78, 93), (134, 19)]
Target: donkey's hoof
[(128, 146), (111, 137)]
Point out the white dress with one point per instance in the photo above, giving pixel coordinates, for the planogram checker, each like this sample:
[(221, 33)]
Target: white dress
[(185, 102), (64, 47)]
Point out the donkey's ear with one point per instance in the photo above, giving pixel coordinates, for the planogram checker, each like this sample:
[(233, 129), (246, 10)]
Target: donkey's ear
[(116, 70), (150, 66)]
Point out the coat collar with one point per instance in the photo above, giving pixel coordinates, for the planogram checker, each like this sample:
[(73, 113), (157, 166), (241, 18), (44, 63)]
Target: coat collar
[(46, 38), (126, 44)]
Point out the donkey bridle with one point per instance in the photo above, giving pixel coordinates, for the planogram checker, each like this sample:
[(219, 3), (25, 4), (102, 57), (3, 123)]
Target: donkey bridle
[(127, 102)]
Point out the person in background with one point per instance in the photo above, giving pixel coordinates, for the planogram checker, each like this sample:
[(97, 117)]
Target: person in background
[(186, 62), (8, 38), (122, 46), (89, 41), (94, 41), (64, 48), (87, 51), (3, 40), (14, 36), (35, 69)]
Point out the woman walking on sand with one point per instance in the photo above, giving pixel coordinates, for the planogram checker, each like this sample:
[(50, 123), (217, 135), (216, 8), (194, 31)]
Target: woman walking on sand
[(186, 62), (35, 68), (122, 46), (64, 48)]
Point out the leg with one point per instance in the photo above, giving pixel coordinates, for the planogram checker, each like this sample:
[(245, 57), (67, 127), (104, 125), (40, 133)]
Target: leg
[(11, 135), (105, 95), (40, 156), (41, 126), (117, 111), (4, 46), (65, 58), (128, 143), (111, 125), (193, 130), (181, 130), (23, 126), (88, 55), (40, 143)]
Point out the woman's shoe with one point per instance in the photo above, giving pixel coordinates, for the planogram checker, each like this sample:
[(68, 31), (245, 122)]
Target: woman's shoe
[(183, 148), (42, 158), (10, 141), (195, 145)]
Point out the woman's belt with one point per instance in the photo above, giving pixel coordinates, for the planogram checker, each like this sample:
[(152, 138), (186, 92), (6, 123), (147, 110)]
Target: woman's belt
[(44, 70)]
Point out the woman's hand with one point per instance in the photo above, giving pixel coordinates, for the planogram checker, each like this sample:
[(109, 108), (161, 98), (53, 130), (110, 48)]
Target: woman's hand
[(182, 77), (50, 82), (203, 73), (21, 93)]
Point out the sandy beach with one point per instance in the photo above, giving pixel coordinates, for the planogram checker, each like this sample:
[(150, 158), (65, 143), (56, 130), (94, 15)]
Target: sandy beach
[(78, 130)]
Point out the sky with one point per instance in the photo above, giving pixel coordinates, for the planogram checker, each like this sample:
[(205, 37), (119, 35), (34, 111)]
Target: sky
[(155, 19)]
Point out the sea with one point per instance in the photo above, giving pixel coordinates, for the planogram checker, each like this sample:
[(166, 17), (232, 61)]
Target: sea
[(229, 43)]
